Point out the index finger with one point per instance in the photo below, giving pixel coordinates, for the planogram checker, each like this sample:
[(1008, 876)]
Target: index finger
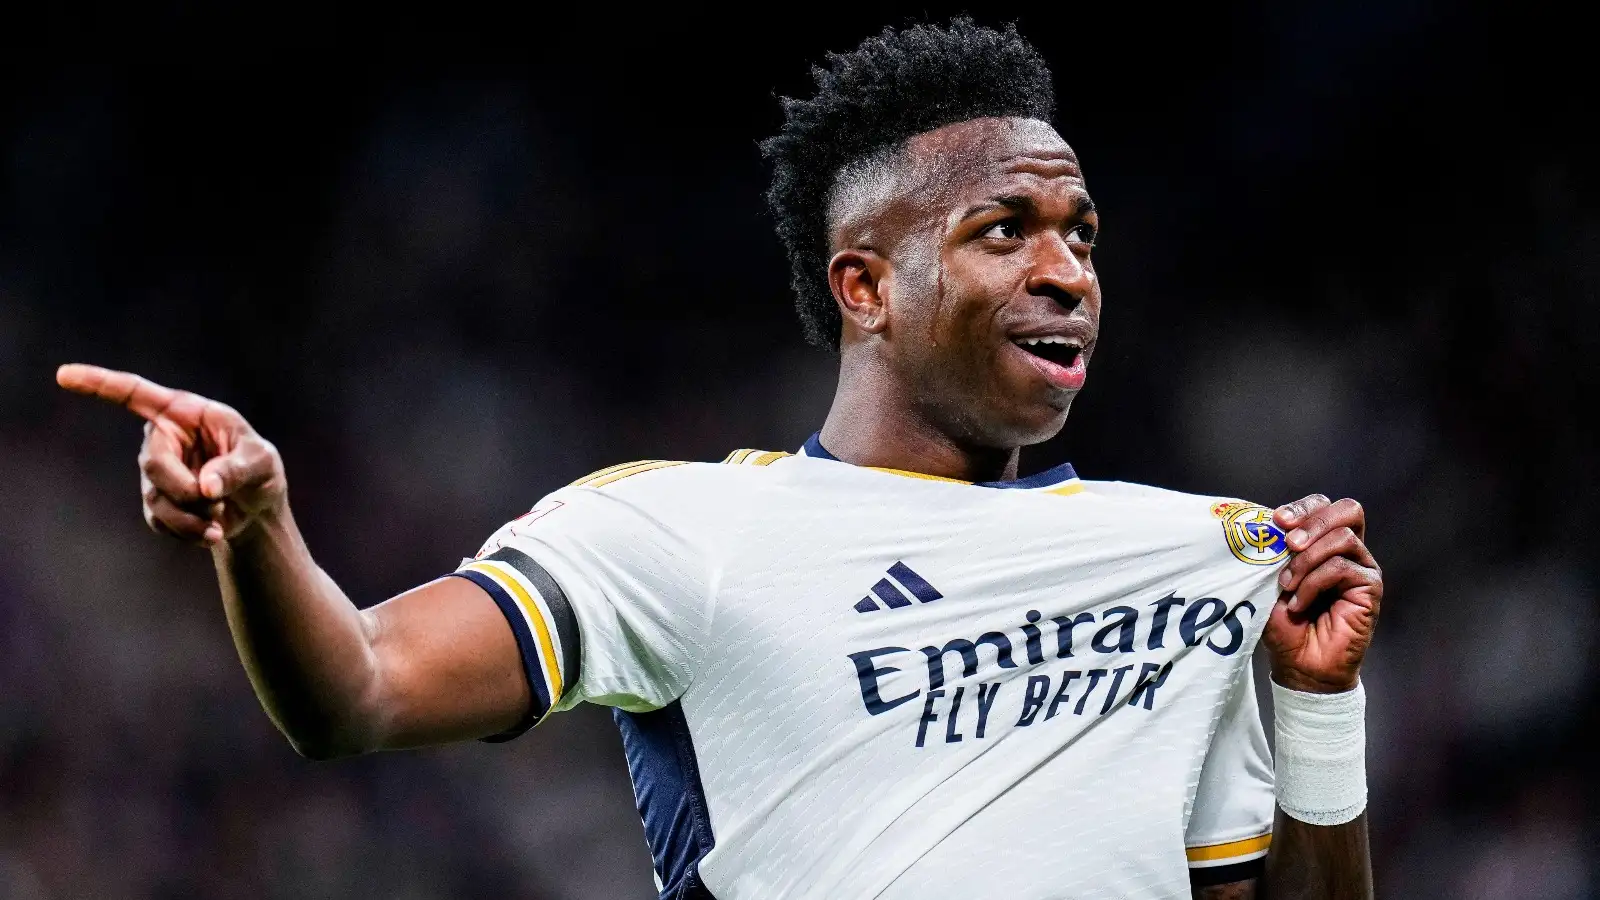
[(1346, 513), (139, 395), (1290, 514)]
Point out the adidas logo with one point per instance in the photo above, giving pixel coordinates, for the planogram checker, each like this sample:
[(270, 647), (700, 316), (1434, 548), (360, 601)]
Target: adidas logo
[(893, 595)]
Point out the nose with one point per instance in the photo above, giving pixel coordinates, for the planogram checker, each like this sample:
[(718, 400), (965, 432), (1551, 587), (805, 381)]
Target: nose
[(1060, 273)]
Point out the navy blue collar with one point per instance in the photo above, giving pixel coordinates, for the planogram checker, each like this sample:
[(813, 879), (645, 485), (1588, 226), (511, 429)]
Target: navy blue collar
[(1047, 478)]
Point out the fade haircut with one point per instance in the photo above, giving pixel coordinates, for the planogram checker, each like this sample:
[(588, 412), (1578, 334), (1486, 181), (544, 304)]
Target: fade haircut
[(868, 103)]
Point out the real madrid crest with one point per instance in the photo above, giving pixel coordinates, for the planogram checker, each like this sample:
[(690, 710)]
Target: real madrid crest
[(1252, 535)]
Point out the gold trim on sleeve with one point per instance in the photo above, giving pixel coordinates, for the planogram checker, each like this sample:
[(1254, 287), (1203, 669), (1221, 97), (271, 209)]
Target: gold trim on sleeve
[(1229, 850)]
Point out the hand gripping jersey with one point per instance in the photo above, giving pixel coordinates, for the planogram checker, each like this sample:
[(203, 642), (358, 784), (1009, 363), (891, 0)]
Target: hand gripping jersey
[(834, 681)]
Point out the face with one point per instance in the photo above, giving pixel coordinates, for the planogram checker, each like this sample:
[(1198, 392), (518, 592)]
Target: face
[(989, 303)]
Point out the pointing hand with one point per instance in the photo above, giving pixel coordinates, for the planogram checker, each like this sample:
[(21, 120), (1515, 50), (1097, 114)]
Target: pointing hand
[(205, 474)]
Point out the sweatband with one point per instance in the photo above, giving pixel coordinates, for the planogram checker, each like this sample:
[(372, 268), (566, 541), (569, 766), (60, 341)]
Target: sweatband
[(1320, 763)]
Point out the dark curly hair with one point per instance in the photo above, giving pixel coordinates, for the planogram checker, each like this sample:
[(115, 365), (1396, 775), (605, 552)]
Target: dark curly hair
[(892, 87)]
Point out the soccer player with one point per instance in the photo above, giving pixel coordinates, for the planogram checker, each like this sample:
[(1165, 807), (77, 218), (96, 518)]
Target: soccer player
[(884, 665)]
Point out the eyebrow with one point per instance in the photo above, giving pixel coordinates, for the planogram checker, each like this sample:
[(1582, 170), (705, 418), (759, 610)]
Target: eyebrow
[(1023, 204)]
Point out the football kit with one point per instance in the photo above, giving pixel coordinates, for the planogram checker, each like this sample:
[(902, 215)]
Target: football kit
[(837, 681)]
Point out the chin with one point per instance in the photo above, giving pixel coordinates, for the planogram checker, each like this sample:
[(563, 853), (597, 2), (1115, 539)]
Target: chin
[(1033, 424)]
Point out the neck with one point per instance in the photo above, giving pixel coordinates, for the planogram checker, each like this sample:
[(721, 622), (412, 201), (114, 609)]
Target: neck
[(874, 421)]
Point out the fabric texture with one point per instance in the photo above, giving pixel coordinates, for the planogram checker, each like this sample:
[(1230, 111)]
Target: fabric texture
[(845, 682)]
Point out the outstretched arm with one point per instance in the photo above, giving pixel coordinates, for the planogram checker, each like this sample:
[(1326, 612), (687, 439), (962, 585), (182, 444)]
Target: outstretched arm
[(435, 664)]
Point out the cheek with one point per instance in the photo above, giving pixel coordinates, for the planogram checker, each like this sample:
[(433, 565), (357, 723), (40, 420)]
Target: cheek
[(972, 297)]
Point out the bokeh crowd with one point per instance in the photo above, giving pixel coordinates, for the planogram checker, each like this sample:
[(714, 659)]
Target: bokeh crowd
[(1347, 248)]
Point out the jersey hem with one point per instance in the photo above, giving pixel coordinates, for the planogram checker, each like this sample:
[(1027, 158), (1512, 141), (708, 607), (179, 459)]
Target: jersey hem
[(1210, 855), (542, 623), (539, 705)]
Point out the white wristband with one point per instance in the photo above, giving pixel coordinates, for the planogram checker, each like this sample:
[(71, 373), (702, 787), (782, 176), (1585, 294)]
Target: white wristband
[(1321, 759)]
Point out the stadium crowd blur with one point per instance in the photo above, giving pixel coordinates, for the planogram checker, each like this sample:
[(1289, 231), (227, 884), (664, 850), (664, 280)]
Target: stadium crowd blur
[(1352, 249)]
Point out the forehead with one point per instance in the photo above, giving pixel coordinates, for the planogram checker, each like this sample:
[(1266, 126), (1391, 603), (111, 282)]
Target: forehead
[(972, 157)]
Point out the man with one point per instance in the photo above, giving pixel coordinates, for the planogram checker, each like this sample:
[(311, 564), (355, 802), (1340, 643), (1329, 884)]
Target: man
[(884, 666)]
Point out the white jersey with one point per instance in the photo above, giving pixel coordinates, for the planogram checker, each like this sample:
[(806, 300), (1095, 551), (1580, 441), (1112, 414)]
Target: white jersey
[(834, 681)]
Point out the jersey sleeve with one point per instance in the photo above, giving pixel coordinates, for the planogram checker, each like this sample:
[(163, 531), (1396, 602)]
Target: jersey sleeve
[(606, 599), (1230, 827)]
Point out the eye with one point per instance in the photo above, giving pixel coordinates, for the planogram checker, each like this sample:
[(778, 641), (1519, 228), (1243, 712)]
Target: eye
[(1083, 234), (1006, 229)]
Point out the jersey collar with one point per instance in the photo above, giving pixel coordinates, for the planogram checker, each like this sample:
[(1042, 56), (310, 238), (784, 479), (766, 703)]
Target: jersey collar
[(1050, 479)]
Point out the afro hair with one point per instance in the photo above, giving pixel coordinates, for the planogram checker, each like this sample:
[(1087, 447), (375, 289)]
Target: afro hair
[(899, 84)]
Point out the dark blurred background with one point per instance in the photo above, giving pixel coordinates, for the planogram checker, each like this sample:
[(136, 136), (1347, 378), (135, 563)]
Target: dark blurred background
[(450, 262)]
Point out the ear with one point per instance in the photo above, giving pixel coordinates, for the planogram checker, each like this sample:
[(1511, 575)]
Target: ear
[(859, 278)]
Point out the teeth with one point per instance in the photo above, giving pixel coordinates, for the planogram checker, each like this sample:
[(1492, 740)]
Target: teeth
[(1046, 339)]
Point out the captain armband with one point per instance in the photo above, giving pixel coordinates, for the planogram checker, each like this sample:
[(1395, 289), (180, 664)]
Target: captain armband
[(1320, 760)]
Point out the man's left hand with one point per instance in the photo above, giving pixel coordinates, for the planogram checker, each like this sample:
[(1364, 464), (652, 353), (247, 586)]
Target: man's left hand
[(1331, 590)]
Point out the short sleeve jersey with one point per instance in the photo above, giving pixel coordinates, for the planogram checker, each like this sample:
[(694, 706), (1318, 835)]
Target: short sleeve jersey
[(835, 681)]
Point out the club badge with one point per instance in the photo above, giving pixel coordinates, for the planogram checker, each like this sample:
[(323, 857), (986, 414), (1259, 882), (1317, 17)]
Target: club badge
[(1252, 535)]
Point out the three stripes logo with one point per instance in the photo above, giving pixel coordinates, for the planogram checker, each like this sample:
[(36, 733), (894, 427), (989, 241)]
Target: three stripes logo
[(893, 590)]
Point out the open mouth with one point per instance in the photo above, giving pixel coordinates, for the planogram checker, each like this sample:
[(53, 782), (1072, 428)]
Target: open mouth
[(1052, 348)]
